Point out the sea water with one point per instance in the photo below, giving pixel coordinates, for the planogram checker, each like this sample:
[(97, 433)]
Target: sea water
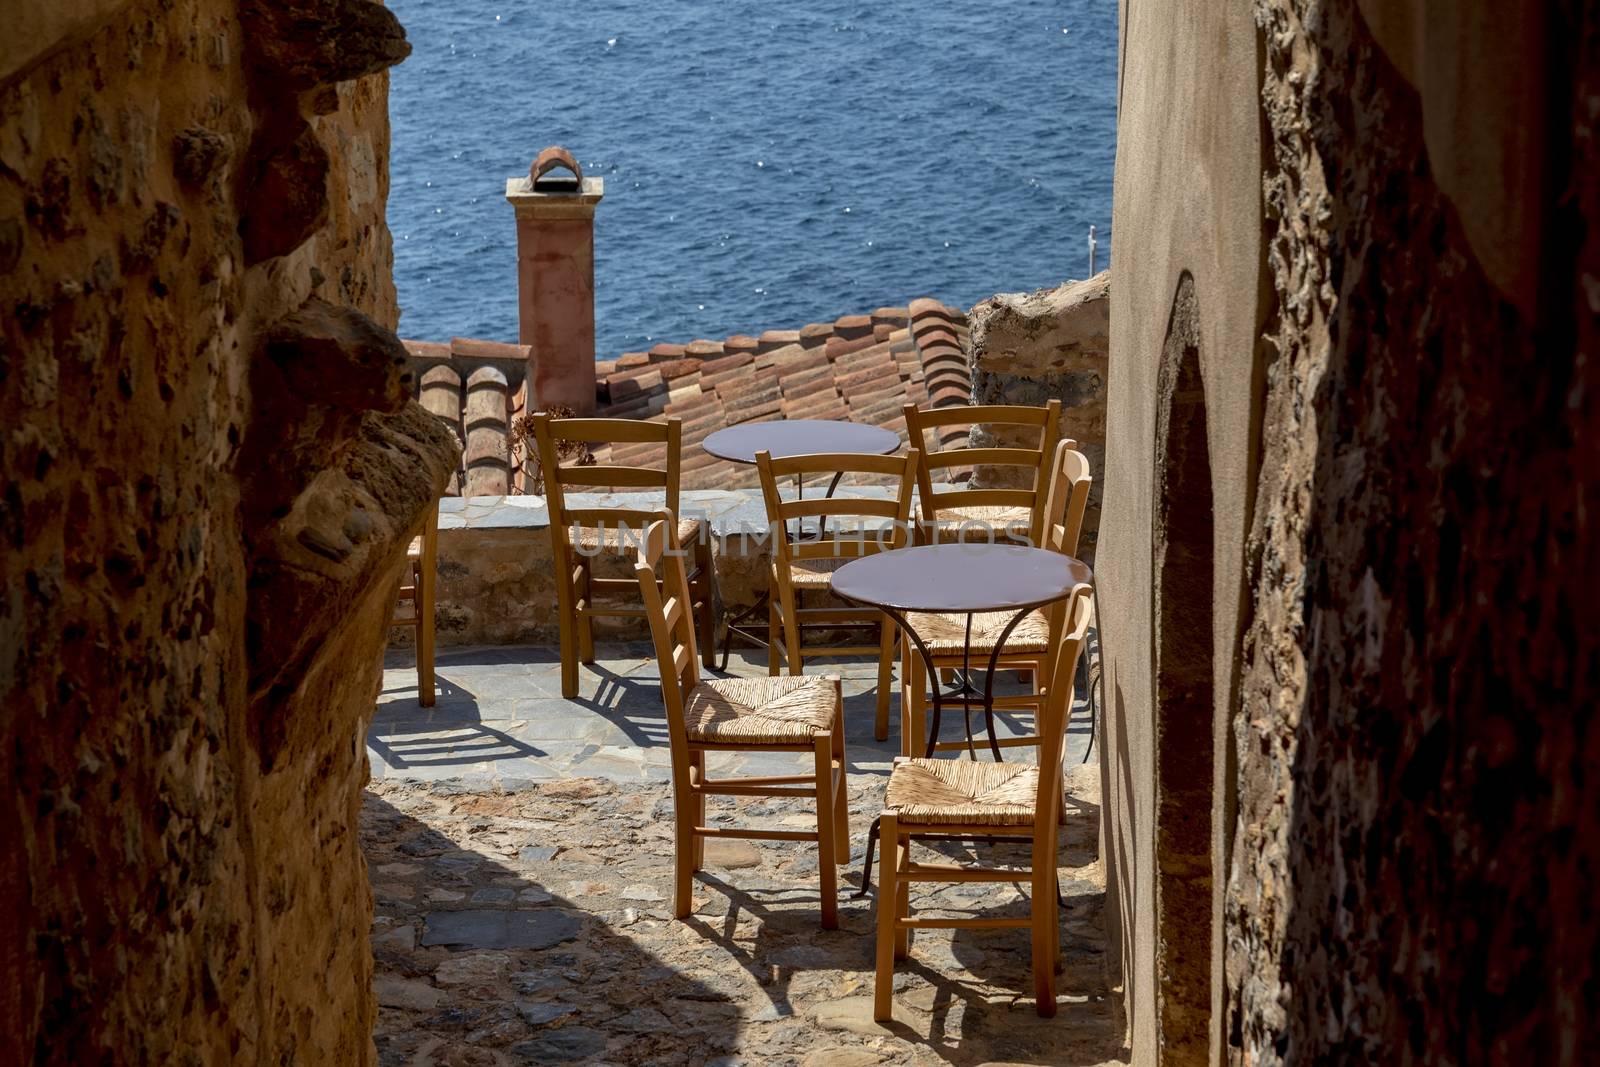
[(766, 164)]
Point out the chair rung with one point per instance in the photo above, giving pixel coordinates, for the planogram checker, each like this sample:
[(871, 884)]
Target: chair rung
[(841, 650), (838, 616), (961, 924), (756, 835), (585, 608), (620, 585), (949, 872), (736, 746), (979, 741), (758, 790), (769, 779)]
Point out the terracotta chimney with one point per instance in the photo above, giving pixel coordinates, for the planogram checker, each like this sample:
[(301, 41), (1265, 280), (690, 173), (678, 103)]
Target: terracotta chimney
[(555, 277)]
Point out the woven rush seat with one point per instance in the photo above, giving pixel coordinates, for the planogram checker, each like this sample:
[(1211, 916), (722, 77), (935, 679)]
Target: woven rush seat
[(933, 792), (772, 711), (945, 635), (589, 538), (815, 573), (1002, 523)]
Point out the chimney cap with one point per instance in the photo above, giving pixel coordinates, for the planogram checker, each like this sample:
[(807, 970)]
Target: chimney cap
[(555, 158)]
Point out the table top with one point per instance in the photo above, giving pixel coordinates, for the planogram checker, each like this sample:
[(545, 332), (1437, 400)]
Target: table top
[(799, 437), (960, 578)]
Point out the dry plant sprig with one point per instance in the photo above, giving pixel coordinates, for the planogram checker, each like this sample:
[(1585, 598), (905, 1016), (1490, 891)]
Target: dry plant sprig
[(525, 452)]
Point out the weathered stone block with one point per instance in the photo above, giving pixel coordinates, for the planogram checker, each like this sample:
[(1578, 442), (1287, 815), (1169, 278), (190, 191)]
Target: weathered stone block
[(1028, 348)]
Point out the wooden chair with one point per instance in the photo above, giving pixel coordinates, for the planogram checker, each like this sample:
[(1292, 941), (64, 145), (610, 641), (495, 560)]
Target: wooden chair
[(963, 513), (739, 715), (608, 530), (417, 589), (1028, 647), (802, 563), (966, 799)]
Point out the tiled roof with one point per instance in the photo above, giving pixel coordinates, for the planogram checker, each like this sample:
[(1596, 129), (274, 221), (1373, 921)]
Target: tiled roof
[(863, 368)]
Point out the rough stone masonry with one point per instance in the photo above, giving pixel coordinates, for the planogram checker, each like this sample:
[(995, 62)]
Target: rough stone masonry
[(211, 469)]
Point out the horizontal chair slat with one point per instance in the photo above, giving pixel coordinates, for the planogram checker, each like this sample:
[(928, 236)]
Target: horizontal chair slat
[(635, 519), (981, 498), (834, 462), (957, 414), (673, 610), (603, 431), (969, 457), (839, 506), (841, 548), (608, 475)]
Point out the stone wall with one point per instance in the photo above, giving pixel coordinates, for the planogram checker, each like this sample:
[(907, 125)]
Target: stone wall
[(1357, 241), (210, 471), (1028, 348), (1419, 814), (497, 578)]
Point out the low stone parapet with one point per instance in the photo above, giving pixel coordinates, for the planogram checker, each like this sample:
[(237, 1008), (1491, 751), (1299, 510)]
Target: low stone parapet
[(497, 575)]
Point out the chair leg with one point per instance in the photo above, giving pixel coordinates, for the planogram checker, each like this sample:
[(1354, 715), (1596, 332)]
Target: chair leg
[(707, 595), (900, 856), (888, 919), (886, 641), (699, 856), (585, 624), (1043, 908), (774, 635), (424, 607), (841, 792), (827, 865), (791, 638), (685, 801), (569, 634), (916, 739), (905, 695)]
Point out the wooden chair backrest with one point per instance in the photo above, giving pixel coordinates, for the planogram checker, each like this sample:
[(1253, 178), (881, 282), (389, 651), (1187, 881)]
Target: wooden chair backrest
[(786, 549), (606, 477), (1068, 499), (669, 607), (1056, 714), (1047, 420), (1063, 512)]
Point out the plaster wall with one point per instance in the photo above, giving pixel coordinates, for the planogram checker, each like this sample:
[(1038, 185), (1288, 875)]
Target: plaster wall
[(1187, 203)]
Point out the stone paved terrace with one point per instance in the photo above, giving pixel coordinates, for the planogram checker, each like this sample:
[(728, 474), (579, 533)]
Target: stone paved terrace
[(520, 852)]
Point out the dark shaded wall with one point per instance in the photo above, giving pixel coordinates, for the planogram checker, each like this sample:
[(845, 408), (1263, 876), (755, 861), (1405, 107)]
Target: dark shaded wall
[(209, 471), (1419, 766), (1386, 216)]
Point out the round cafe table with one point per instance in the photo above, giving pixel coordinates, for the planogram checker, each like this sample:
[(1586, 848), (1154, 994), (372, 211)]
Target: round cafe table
[(965, 579), (961, 579), (799, 437), (783, 438)]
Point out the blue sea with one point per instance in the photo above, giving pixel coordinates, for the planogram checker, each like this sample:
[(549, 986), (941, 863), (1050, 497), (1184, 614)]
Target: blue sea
[(766, 164)]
